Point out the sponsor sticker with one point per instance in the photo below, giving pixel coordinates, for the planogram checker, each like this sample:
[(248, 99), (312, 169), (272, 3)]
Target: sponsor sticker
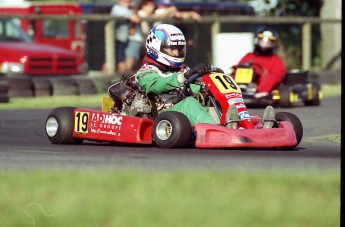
[(243, 115), (97, 123)]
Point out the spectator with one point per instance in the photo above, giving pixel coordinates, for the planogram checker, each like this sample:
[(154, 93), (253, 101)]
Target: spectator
[(123, 8), (146, 10), (272, 70), (135, 43), (137, 31), (136, 46), (166, 8)]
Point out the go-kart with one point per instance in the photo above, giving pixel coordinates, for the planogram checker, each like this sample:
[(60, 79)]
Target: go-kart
[(129, 115), (297, 87)]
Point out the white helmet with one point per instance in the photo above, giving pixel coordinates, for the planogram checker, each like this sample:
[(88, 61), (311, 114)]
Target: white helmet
[(265, 41), (166, 36)]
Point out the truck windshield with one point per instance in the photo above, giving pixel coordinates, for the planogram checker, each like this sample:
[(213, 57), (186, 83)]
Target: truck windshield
[(55, 28), (10, 31)]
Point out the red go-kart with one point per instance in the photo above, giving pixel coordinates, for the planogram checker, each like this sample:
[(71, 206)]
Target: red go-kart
[(130, 116), (297, 87)]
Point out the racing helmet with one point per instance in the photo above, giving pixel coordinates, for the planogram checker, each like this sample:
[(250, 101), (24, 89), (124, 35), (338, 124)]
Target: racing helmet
[(265, 41), (160, 39)]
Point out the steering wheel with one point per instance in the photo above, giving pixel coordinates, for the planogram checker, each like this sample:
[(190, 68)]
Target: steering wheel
[(186, 91)]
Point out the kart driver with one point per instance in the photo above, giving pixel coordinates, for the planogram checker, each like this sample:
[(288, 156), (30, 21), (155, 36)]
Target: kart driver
[(163, 74), (272, 68)]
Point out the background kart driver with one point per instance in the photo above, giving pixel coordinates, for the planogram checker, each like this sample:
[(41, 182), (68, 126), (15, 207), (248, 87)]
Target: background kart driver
[(272, 70)]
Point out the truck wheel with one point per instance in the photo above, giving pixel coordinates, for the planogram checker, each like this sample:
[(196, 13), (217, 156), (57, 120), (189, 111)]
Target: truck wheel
[(296, 123), (315, 94), (59, 126), (172, 130)]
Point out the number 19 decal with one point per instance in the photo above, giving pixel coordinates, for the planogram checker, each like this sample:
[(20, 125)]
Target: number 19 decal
[(80, 122), (225, 83)]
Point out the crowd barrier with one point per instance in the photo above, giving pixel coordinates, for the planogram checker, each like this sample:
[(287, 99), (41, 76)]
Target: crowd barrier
[(25, 86), (29, 87)]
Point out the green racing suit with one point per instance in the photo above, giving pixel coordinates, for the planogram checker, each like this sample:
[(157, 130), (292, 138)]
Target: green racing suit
[(167, 84)]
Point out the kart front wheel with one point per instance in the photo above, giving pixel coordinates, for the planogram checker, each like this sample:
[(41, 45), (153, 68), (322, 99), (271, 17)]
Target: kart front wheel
[(296, 123), (59, 126), (172, 130)]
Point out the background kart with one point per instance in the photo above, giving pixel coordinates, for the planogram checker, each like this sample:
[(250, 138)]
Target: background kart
[(130, 116), (296, 88)]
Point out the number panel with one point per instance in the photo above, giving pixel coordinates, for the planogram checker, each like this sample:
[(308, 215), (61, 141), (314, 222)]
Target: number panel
[(225, 83), (244, 75), (81, 120)]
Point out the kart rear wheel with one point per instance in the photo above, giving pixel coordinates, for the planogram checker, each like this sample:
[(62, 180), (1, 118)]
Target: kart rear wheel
[(315, 94), (59, 126), (296, 123), (285, 96), (172, 130)]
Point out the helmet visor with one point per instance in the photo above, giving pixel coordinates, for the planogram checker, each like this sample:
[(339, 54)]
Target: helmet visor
[(176, 48), (267, 35), (265, 43)]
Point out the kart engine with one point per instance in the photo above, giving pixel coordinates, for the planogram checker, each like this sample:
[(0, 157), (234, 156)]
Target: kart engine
[(130, 99), (137, 104)]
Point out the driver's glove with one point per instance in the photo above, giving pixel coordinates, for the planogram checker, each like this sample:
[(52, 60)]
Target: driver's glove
[(201, 69)]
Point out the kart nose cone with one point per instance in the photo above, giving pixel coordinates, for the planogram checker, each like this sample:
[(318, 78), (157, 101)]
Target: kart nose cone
[(52, 127)]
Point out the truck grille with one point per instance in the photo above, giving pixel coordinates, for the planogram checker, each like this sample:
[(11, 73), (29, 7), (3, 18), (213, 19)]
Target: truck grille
[(52, 66)]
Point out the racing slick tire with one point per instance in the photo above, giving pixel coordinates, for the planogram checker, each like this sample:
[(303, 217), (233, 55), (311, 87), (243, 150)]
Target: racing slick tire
[(172, 130), (296, 123), (285, 96), (316, 91), (59, 126)]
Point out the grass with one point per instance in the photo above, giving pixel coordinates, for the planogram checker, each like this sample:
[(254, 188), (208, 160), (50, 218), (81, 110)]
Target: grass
[(54, 101), (331, 90), (195, 198)]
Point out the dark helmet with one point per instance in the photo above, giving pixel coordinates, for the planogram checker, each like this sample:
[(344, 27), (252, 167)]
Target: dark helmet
[(265, 41)]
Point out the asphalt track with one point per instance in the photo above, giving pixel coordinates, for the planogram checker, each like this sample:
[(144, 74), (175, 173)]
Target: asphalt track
[(24, 145)]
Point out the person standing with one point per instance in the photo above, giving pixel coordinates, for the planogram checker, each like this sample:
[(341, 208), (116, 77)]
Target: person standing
[(166, 9), (123, 8), (135, 43), (146, 10)]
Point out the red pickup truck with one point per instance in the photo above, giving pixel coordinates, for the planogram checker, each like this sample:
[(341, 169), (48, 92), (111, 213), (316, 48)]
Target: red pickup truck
[(65, 33), (20, 55)]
